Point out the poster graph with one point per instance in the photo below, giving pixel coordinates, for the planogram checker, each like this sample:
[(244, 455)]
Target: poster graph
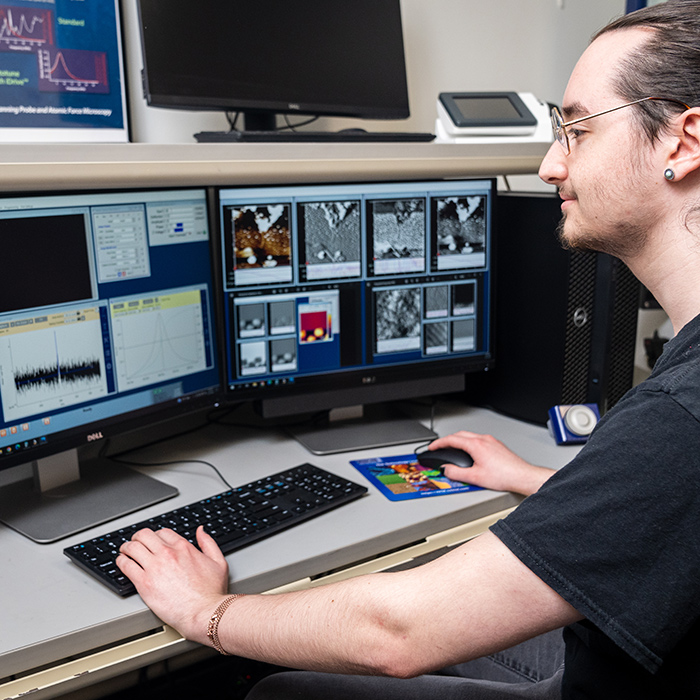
[(25, 28), (69, 71)]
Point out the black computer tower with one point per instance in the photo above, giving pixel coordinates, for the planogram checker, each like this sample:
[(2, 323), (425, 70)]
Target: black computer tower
[(565, 321)]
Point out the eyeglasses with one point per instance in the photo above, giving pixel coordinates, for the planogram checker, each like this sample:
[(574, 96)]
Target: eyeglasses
[(559, 125)]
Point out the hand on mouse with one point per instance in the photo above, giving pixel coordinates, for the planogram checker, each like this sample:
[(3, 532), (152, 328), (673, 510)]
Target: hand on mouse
[(495, 466)]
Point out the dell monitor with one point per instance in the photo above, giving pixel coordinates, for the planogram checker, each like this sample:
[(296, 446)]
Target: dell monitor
[(106, 324), (355, 294), (263, 57)]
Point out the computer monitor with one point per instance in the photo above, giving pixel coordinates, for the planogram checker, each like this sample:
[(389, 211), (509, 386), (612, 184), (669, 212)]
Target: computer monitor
[(263, 57), (355, 294), (106, 324)]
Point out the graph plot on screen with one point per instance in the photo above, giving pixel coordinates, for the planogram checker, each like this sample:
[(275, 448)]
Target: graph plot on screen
[(51, 361), (158, 337)]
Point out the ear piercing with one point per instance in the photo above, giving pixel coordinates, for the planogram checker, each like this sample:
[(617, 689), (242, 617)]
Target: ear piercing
[(669, 174)]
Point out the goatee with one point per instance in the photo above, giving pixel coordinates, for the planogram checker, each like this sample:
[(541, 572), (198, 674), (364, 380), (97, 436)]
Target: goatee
[(625, 242)]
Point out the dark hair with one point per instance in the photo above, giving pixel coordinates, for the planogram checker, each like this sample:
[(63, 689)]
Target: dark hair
[(666, 65)]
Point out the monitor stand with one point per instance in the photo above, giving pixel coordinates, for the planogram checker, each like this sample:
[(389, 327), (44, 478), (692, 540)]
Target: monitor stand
[(361, 428), (66, 496)]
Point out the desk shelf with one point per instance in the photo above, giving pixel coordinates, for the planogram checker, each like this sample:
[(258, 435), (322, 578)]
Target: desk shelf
[(108, 166)]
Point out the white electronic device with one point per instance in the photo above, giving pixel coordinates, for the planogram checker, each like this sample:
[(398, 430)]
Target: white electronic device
[(492, 117), (572, 424)]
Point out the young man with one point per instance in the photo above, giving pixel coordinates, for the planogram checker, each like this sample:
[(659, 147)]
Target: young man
[(606, 546)]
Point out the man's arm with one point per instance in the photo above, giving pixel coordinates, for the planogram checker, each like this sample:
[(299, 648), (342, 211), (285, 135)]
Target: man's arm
[(477, 599), (495, 466)]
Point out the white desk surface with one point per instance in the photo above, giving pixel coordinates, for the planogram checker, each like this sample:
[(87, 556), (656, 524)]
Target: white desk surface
[(51, 610)]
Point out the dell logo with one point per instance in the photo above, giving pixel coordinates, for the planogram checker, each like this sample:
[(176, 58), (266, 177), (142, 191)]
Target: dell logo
[(294, 105), (580, 317), (369, 380), (95, 436)]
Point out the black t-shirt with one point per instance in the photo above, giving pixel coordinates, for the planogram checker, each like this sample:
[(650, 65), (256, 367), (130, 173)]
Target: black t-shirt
[(616, 534)]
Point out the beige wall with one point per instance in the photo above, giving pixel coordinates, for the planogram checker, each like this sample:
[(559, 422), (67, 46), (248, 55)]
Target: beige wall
[(451, 45)]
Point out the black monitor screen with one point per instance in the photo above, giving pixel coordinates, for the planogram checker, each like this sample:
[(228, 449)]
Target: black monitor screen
[(312, 57), (105, 312), (357, 286)]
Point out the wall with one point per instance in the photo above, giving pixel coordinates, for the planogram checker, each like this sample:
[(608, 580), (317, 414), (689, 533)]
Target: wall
[(451, 45)]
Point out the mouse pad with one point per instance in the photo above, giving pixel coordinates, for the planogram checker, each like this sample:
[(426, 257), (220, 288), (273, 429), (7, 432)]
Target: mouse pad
[(402, 478)]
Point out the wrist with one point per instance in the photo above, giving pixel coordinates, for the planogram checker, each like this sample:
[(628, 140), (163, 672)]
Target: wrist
[(212, 628), (534, 479)]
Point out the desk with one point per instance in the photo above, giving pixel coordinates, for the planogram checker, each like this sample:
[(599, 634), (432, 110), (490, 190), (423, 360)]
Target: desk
[(61, 630)]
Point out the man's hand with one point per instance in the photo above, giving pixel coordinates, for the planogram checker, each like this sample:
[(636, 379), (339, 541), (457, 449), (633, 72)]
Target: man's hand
[(180, 583), (495, 466)]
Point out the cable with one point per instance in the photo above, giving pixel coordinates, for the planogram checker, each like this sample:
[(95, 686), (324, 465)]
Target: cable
[(292, 127), (232, 119), (210, 419), (170, 463)]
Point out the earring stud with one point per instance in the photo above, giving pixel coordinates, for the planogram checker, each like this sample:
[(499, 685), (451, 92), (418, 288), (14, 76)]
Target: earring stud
[(669, 174)]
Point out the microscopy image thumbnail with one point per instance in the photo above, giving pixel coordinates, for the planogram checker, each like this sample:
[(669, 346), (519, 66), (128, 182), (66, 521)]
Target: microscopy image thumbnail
[(463, 299), (397, 314), (282, 317), (315, 323), (463, 335), (435, 340), (253, 358), (332, 235), (262, 237), (437, 302), (398, 228), (283, 355), (461, 225), (251, 320)]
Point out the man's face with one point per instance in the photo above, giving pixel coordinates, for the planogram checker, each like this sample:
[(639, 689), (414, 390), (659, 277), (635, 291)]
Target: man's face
[(609, 181)]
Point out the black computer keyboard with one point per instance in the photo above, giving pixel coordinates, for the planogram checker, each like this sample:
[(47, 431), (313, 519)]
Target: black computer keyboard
[(349, 136), (233, 518)]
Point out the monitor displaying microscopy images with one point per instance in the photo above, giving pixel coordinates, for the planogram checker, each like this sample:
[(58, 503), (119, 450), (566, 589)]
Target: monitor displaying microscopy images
[(337, 285)]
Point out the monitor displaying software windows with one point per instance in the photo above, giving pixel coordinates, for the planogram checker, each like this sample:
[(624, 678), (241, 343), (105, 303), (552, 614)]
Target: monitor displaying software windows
[(106, 318), (354, 293)]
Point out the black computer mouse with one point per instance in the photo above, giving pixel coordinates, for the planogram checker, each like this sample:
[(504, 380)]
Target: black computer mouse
[(436, 459)]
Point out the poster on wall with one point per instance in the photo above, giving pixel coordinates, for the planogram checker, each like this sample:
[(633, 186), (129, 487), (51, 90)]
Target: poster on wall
[(61, 72)]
